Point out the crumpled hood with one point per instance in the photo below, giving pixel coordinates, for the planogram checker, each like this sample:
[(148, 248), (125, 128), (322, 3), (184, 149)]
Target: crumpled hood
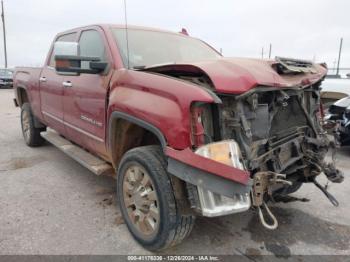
[(239, 75)]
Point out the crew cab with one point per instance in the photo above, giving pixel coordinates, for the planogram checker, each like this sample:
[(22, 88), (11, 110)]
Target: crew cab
[(185, 131)]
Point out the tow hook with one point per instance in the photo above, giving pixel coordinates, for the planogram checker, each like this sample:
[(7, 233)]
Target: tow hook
[(274, 224), (263, 181), (330, 197)]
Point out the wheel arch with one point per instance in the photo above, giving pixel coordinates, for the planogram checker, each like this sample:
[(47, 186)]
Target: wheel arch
[(126, 132)]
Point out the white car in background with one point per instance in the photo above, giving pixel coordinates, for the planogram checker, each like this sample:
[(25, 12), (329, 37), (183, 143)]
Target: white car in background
[(334, 89), (335, 96)]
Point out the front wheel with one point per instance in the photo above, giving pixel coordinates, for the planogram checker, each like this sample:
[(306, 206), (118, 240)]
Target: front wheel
[(147, 201)]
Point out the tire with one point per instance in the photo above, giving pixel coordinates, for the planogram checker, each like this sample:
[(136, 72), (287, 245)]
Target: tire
[(31, 134), (167, 226)]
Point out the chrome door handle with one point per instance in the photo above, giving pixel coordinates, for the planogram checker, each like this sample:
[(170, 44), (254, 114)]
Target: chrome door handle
[(67, 84), (42, 79)]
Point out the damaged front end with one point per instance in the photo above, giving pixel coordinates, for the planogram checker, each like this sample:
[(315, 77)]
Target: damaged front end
[(276, 134), (273, 132)]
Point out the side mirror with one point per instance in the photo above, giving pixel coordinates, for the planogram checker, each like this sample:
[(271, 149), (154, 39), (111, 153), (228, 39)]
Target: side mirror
[(68, 61), (66, 48), (73, 64)]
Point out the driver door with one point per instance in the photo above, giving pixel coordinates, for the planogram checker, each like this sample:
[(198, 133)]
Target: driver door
[(84, 97)]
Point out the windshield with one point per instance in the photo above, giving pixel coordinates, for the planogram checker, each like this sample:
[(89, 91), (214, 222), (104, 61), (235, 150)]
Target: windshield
[(148, 48), (5, 72)]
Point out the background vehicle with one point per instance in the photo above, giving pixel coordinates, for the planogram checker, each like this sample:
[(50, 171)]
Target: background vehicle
[(338, 119), (188, 132), (335, 97), (334, 89), (6, 78)]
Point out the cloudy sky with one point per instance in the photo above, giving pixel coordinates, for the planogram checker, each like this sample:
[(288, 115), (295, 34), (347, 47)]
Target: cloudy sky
[(296, 28)]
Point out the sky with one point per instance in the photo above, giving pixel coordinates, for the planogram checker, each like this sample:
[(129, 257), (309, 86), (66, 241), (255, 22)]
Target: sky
[(296, 28)]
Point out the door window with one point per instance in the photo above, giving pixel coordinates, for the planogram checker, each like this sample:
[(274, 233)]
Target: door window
[(91, 44)]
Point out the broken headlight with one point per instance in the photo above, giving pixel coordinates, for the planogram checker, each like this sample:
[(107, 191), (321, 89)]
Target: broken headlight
[(212, 204)]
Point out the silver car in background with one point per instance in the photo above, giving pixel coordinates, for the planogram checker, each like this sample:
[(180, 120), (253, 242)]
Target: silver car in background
[(6, 78)]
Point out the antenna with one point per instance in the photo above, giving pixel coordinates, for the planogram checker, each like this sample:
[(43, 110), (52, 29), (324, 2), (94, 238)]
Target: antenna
[(126, 34)]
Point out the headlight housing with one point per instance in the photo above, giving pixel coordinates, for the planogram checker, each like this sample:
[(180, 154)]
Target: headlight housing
[(212, 204), (226, 152)]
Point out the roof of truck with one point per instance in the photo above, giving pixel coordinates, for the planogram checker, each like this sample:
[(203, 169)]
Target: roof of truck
[(107, 26)]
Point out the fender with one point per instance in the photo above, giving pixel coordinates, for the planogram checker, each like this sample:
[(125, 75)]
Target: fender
[(158, 100), (28, 79)]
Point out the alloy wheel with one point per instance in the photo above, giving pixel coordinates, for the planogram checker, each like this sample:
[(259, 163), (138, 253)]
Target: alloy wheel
[(141, 200)]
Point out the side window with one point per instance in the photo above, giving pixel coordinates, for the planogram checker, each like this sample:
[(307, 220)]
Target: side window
[(91, 44), (63, 38)]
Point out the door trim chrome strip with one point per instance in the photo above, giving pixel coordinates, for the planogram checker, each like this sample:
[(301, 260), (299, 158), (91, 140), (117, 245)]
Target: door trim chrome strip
[(52, 116), (73, 127)]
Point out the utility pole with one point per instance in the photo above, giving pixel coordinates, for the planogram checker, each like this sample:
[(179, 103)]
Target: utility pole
[(270, 49), (262, 53), (4, 30), (341, 44), (334, 65)]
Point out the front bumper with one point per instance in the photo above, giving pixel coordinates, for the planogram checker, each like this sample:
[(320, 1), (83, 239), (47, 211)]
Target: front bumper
[(221, 189)]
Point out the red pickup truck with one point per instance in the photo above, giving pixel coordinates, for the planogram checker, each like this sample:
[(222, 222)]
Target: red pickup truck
[(185, 131)]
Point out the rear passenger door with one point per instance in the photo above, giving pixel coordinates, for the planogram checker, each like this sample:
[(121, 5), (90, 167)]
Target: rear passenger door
[(85, 96), (51, 89)]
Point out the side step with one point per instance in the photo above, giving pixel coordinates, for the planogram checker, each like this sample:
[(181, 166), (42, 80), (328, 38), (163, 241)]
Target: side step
[(91, 162)]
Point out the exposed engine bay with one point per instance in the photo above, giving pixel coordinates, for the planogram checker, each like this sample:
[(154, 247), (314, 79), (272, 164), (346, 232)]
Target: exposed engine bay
[(280, 136), (278, 131)]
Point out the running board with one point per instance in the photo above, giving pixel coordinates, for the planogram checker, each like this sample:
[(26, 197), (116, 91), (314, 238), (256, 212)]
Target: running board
[(86, 159)]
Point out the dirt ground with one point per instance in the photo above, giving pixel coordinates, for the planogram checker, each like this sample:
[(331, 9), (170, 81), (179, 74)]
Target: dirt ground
[(49, 204)]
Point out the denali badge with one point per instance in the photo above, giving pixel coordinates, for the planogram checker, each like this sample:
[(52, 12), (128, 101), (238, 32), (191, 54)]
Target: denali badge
[(91, 121)]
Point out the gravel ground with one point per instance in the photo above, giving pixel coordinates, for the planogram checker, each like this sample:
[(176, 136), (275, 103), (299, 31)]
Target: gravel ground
[(49, 204)]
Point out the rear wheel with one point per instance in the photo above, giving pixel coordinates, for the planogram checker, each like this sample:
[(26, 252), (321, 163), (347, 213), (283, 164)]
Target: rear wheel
[(31, 134), (147, 201)]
